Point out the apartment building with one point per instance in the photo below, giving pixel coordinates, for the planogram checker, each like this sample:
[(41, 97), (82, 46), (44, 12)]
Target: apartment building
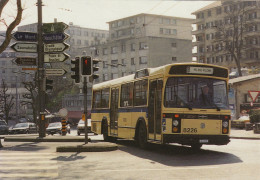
[(222, 14), (142, 41)]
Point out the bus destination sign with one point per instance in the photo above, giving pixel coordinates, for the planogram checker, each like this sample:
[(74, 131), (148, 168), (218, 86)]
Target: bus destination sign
[(199, 70)]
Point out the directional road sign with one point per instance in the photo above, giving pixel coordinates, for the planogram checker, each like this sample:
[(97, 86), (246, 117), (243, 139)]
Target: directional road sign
[(55, 57), (55, 72), (54, 37), (56, 47), (25, 36), (54, 27), (24, 47), (25, 61)]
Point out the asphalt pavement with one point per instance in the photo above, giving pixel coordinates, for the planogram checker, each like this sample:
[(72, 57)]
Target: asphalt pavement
[(96, 143)]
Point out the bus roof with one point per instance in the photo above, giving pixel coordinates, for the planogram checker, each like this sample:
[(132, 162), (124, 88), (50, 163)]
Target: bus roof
[(152, 72)]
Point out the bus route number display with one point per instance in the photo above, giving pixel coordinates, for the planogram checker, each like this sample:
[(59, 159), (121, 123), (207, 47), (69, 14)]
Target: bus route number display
[(199, 70)]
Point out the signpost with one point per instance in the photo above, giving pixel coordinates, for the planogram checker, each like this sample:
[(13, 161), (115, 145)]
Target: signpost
[(25, 36), (57, 57), (54, 27), (25, 61), (55, 72), (55, 37), (25, 47), (56, 47)]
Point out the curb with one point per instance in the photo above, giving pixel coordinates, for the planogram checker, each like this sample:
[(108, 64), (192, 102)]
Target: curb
[(91, 147), (15, 139), (249, 138)]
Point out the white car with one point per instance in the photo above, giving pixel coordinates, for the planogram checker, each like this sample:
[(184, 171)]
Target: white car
[(81, 126)]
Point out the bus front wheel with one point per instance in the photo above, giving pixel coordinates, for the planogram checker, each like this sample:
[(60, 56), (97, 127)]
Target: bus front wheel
[(142, 135)]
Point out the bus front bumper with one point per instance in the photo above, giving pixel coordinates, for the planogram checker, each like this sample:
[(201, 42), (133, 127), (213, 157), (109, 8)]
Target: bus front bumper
[(196, 139)]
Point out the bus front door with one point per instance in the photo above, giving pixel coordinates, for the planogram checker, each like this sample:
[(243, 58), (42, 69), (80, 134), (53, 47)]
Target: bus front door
[(114, 112), (154, 110)]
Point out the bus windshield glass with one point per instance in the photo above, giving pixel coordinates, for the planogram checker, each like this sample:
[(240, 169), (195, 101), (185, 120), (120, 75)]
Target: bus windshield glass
[(194, 92)]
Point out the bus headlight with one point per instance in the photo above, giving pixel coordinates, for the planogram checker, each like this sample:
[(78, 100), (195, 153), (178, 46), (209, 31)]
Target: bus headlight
[(225, 124), (175, 123)]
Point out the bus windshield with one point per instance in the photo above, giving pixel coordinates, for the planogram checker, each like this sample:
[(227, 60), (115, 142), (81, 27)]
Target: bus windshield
[(194, 92)]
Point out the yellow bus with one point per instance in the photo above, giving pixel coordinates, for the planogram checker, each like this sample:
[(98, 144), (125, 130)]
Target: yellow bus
[(184, 103)]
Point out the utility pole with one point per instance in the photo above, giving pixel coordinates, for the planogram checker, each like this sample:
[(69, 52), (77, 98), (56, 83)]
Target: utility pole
[(41, 93), (85, 91)]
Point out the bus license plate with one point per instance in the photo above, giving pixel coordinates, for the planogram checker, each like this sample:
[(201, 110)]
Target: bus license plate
[(204, 140)]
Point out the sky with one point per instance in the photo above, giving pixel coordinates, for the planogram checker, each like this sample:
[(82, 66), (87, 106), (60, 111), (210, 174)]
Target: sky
[(96, 13)]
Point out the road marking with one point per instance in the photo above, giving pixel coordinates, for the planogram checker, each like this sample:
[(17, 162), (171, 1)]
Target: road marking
[(28, 162), (54, 167), (30, 175), (162, 169)]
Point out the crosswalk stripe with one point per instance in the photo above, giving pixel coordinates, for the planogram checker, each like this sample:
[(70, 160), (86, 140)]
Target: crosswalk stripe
[(27, 162), (31, 175), (29, 168)]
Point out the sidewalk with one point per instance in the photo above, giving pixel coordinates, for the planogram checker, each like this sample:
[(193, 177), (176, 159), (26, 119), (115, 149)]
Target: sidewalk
[(243, 134)]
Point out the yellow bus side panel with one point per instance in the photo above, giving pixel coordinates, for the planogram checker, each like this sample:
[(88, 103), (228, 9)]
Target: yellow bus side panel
[(124, 124), (195, 126)]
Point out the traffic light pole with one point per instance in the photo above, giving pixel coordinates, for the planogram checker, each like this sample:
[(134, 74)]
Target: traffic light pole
[(85, 91), (41, 93)]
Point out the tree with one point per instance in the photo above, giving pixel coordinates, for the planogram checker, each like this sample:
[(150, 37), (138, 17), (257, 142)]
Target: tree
[(13, 24), (6, 101), (31, 97), (230, 33)]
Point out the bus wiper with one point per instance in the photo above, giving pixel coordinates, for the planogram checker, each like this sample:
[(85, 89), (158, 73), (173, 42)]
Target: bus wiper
[(218, 109), (185, 103)]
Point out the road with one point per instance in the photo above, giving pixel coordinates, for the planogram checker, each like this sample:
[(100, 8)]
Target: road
[(238, 160)]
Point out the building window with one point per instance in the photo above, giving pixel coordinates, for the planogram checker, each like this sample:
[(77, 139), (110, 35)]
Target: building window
[(143, 60), (78, 42), (114, 75), (105, 52), (174, 59), (209, 13), (123, 61), (85, 33), (142, 45), (86, 42), (105, 64), (114, 50), (123, 48), (105, 77), (132, 61), (161, 30), (174, 21), (174, 45), (218, 11), (133, 47), (124, 74)]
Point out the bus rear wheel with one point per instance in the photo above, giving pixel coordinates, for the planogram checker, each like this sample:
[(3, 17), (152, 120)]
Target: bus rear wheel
[(142, 135)]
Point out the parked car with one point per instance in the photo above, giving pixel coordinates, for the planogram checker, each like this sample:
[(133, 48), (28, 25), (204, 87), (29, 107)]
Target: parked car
[(81, 126), (3, 127), (240, 123), (55, 128), (23, 128)]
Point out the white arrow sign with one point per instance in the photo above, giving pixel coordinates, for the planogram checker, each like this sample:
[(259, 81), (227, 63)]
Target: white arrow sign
[(56, 47), (55, 72), (24, 47), (57, 57)]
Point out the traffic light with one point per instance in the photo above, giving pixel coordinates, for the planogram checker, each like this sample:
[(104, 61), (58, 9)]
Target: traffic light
[(48, 84), (94, 68), (86, 65), (76, 69)]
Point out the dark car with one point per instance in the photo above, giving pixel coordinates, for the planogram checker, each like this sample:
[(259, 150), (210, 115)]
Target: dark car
[(3, 127), (23, 128), (55, 128)]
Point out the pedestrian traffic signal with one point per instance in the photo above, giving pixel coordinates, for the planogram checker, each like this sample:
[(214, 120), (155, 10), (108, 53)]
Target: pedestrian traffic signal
[(95, 68), (86, 65), (76, 69), (48, 84)]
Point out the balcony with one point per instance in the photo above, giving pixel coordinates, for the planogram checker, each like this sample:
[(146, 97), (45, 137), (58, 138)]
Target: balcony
[(197, 32)]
